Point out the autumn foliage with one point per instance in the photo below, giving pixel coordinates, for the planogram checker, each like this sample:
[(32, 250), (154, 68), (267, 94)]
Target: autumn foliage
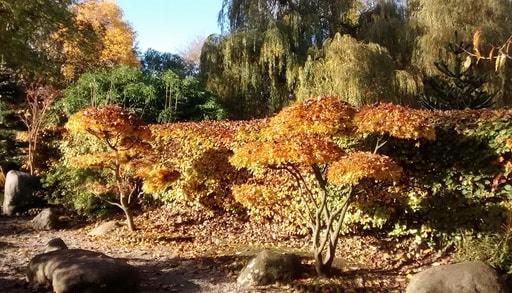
[(300, 141), (356, 166), (295, 169), (100, 39), (396, 121), (123, 151), (200, 152), (325, 116)]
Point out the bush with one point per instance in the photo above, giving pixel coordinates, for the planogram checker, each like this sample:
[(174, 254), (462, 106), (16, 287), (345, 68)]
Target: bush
[(72, 188), (162, 97), (457, 168), (78, 190), (459, 182), (200, 153)]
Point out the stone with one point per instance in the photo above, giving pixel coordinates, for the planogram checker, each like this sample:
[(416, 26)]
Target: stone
[(47, 219), (80, 271), (18, 192), (55, 244), (268, 267), (105, 228), (466, 277)]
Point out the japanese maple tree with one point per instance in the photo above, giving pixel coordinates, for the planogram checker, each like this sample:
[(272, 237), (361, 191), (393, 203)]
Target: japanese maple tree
[(301, 141), (125, 153)]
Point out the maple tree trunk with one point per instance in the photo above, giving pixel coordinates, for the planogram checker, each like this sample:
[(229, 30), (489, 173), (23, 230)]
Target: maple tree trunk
[(129, 219), (126, 209), (123, 201), (30, 159), (331, 222)]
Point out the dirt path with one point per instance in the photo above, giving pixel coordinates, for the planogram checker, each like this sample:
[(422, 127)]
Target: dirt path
[(162, 270), (186, 252)]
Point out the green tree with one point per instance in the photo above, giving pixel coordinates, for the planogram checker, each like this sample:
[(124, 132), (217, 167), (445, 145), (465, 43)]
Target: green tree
[(166, 96), (26, 31), (253, 67), (126, 86), (356, 72), (10, 90), (185, 99), (155, 62)]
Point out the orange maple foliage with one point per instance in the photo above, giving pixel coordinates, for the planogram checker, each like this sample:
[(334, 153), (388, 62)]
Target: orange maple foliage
[(127, 155), (356, 166), (301, 149), (110, 123), (321, 115), (299, 140), (395, 120)]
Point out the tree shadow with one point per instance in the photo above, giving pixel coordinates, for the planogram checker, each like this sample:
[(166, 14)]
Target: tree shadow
[(187, 274), (17, 285), (15, 225), (4, 245)]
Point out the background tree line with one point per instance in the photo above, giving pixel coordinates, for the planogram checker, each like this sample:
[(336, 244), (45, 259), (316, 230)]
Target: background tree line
[(270, 53), (273, 51), (59, 56)]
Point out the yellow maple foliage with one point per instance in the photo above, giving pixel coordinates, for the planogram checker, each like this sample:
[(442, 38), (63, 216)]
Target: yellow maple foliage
[(102, 39)]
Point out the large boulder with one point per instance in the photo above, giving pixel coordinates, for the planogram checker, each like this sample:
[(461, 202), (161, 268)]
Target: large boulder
[(268, 267), (18, 192), (80, 271), (47, 219), (466, 277)]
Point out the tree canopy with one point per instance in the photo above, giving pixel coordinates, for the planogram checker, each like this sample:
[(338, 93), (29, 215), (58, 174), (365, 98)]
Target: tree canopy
[(273, 52), (26, 33), (255, 64), (102, 39)]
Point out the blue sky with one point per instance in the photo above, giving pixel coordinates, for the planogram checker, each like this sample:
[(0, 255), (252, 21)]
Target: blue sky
[(169, 25)]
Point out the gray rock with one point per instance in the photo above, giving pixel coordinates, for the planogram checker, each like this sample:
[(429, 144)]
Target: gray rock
[(55, 244), (77, 270), (268, 267), (47, 219), (466, 277), (105, 228), (18, 192)]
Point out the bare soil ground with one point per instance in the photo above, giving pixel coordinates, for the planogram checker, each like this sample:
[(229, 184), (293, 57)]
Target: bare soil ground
[(190, 252)]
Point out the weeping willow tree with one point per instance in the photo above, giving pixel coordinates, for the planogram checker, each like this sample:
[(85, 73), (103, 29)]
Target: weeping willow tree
[(385, 22), (236, 68), (255, 64), (356, 72)]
